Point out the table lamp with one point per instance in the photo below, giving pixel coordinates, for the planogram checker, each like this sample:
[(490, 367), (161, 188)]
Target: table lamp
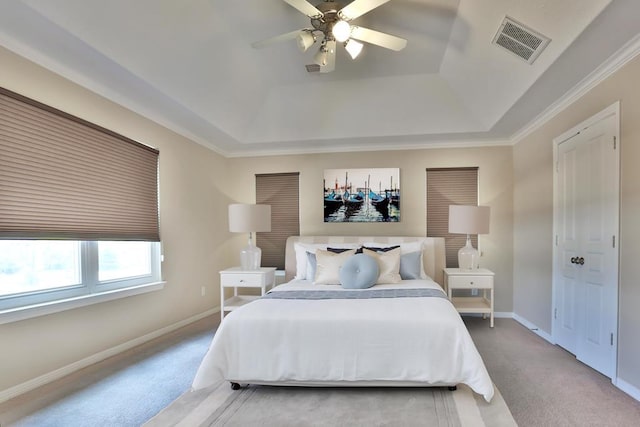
[(464, 219), (244, 218)]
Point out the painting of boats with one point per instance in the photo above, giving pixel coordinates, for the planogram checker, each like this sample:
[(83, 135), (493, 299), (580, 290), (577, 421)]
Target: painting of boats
[(362, 195)]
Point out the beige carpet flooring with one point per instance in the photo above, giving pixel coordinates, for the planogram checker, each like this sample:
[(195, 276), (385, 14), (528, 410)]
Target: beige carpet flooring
[(542, 384)]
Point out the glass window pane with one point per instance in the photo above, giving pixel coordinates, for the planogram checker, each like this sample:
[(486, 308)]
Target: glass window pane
[(30, 265), (118, 260)]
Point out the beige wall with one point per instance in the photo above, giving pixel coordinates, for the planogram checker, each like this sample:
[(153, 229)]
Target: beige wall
[(533, 210), (495, 180), (192, 205)]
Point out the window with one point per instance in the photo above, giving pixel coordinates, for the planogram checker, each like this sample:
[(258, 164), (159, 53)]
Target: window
[(39, 271), (78, 210), (450, 186), (280, 190)]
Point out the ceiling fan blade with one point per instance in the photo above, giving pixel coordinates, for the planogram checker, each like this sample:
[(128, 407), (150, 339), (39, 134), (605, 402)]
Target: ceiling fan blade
[(378, 38), (358, 8), (305, 7), (282, 37), (331, 58)]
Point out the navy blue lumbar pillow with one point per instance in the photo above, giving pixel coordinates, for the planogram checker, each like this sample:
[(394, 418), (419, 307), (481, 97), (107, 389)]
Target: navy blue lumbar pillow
[(359, 272)]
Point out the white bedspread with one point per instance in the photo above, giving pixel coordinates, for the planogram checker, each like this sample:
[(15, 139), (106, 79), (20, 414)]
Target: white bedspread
[(410, 341)]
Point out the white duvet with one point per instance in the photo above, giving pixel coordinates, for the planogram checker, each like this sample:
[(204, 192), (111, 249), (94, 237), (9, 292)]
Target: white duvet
[(378, 341)]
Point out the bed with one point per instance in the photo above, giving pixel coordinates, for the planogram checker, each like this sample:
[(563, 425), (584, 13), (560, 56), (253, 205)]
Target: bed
[(403, 333)]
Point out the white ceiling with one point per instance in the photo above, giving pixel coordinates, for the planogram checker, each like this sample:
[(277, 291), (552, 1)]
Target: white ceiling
[(189, 65)]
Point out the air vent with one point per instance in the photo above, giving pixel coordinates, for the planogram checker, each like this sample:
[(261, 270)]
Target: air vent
[(520, 40), (312, 68)]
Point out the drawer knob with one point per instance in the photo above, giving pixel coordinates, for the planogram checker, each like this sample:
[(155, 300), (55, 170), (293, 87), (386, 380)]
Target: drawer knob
[(472, 283)]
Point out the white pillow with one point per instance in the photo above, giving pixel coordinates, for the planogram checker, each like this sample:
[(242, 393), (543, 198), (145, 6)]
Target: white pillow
[(405, 248), (328, 266), (388, 265), (301, 250)]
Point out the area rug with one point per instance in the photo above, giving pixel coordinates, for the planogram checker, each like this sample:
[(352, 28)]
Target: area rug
[(310, 406)]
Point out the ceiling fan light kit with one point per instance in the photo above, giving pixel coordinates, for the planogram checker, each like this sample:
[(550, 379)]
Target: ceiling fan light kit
[(332, 19), (353, 48), (341, 31), (305, 40)]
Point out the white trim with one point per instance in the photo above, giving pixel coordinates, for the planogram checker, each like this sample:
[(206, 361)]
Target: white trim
[(533, 328), (36, 310), (34, 383), (503, 314), (628, 388), (497, 315), (615, 62)]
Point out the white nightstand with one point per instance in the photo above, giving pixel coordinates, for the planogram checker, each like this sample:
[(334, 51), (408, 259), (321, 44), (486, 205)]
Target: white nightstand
[(235, 278), (481, 279)]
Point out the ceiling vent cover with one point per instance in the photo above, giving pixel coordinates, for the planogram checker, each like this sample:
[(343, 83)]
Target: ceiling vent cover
[(520, 40)]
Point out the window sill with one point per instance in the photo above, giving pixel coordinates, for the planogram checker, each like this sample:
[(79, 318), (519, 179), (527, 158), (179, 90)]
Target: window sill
[(36, 310)]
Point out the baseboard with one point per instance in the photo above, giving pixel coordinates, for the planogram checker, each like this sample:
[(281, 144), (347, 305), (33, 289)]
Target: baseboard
[(497, 315), (628, 388), (27, 386), (503, 315), (533, 328)]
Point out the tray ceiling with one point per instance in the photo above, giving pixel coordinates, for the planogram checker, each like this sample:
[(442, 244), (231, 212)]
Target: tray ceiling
[(189, 65)]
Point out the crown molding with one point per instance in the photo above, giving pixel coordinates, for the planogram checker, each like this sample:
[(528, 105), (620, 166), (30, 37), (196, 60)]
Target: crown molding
[(615, 62), (391, 146)]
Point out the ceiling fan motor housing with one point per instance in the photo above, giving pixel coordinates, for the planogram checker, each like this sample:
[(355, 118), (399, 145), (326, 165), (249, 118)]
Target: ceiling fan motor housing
[(329, 18)]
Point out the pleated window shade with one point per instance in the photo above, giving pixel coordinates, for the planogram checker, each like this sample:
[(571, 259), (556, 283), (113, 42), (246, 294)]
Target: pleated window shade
[(64, 178), (281, 191), (450, 186)]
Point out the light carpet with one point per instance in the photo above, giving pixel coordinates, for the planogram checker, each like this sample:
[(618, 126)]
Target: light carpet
[(311, 406)]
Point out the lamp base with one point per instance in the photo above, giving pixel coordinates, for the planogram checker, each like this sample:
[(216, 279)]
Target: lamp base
[(468, 256), (250, 257)]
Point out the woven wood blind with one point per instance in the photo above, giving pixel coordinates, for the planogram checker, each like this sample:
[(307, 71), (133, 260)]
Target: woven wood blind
[(450, 186), (64, 178), (281, 191)]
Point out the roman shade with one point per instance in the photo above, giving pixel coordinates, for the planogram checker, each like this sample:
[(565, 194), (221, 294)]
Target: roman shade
[(62, 177), (281, 191), (450, 186)]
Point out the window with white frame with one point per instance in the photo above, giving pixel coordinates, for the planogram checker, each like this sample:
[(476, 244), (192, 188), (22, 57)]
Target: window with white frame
[(40, 271)]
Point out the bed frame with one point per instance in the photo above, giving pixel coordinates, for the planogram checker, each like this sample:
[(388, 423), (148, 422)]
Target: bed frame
[(433, 250)]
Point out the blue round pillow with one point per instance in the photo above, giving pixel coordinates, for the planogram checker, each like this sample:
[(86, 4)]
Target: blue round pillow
[(359, 272)]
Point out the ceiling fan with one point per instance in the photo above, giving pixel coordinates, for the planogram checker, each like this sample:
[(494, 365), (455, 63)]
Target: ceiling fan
[(330, 20)]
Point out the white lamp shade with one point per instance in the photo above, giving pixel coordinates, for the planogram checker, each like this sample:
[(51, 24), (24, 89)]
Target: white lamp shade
[(341, 31), (249, 218), (320, 58), (305, 40), (353, 48), (464, 219)]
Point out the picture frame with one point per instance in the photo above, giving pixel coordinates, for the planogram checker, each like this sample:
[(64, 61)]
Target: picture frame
[(362, 195)]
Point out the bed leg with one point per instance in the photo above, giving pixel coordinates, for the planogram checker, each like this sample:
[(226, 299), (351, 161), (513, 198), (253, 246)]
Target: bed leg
[(452, 387), (235, 386)]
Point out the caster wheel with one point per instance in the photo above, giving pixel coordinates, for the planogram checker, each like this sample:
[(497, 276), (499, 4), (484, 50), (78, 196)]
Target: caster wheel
[(452, 387), (235, 386)]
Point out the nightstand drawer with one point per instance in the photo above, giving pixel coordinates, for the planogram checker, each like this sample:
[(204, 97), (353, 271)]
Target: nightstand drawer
[(242, 279), (470, 282)]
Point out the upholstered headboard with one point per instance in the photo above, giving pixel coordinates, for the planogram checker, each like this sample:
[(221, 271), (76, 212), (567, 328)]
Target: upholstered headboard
[(433, 250)]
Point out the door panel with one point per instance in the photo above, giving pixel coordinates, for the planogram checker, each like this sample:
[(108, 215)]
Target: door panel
[(586, 225)]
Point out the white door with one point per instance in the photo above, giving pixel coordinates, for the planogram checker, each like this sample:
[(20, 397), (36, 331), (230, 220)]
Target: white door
[(586, 250)]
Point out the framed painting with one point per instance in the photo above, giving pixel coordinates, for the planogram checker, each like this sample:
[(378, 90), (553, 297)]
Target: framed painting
[(362, 195)]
